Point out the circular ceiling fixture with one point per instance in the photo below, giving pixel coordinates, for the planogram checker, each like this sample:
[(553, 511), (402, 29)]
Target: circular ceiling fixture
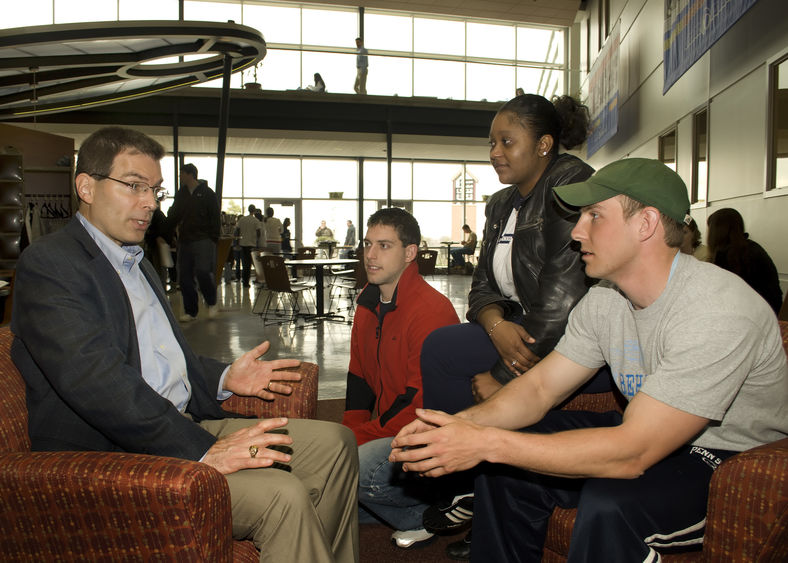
[(55, 68)]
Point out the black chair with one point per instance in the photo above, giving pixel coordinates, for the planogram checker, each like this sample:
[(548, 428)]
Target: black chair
[(304, 253), (350, 286), (426, 260), (277, 285)]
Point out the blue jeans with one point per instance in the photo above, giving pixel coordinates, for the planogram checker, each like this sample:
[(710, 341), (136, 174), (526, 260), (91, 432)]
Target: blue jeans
[(387, 493), (197, 260), (458, 255)]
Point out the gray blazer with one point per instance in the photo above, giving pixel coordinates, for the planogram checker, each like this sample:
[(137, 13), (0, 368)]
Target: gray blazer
[(76, 347)]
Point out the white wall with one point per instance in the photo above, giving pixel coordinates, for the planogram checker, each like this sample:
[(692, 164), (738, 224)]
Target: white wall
[(731, 79)]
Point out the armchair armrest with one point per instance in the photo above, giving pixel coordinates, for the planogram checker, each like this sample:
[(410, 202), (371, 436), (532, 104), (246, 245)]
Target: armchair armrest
[(301, 403), (747, 518), (112, 507)]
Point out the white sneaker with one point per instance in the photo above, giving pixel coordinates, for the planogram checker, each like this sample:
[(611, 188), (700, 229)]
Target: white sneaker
[(409, 539), (186, 318), (213, 310)]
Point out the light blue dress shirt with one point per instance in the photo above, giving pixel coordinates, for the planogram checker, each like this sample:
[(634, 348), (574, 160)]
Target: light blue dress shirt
[(161, 358)]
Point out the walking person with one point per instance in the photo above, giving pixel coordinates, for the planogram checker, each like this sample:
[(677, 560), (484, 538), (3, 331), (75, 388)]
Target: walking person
[(195, 213)]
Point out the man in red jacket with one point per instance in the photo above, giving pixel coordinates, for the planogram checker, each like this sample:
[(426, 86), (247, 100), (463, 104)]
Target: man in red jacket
[(395, 313)]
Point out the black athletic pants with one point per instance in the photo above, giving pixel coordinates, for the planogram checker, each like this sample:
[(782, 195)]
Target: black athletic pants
[(618, 520)]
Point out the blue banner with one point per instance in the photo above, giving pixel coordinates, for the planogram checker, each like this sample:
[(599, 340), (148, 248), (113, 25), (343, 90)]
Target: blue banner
[(603, 94), (692, 27)]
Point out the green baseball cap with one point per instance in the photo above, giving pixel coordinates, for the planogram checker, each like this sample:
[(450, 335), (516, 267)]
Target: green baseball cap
[(645, 180)]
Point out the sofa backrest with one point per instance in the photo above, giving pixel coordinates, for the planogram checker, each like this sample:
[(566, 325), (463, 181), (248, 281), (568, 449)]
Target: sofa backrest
[(13, 421)]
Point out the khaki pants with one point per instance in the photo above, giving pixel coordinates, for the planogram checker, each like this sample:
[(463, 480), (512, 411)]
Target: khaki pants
[(360, 86), (308, 513)]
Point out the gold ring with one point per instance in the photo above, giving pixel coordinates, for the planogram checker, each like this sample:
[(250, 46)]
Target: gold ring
[(253, 450)]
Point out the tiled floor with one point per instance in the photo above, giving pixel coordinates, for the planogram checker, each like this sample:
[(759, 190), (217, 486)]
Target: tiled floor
[(236, 330)]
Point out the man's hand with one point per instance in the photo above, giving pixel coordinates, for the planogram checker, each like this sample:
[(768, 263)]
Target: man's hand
[(251, 377), (483, 385), (232, 453), (510, 340), (437, 443)]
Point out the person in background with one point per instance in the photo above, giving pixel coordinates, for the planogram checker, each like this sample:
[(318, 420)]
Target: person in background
[(319, 85), (730, 247), (519, 92), (108, 368), (195, 213), (323, 232), (527, 279), (158, 240), (350, 234), (287, 246), (468, 248), (396, 311), (362, 65), (249, 229), (698, 357), (692, 242), (350, 240), (273, 232)]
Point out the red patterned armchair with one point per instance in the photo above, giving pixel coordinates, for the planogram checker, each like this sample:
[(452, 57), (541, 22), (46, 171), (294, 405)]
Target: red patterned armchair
[(747, 518), (80, 506)]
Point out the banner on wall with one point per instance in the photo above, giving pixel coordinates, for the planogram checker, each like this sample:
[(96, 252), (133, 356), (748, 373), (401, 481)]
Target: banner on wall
[(603, 94), (692, 27)]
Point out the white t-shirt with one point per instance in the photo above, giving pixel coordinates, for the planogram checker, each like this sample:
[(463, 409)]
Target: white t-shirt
[(709, 346), (502, 260)]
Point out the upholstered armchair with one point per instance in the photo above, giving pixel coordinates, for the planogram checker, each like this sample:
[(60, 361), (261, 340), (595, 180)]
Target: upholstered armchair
[(747, 518), (97, 506)]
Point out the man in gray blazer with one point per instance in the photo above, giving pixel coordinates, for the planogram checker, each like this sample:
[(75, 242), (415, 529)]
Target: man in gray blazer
[(107, 368)]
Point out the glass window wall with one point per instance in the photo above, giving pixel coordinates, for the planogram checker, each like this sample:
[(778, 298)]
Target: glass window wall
[(148, 9), (388, 32), (278, 24), (465, 59), (329, 28), (209, 11), (438, 36), (490, 41)]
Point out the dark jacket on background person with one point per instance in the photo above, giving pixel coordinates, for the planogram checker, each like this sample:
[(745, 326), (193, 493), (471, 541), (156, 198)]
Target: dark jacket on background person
[(754, 265), (547, 270), (384, 376), (195, 214)]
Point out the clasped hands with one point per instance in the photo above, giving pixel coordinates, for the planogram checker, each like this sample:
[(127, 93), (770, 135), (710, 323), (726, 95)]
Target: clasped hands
[(437, 443)]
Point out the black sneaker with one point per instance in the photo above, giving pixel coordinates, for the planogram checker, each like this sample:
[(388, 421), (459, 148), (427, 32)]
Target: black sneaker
[(449, 516)]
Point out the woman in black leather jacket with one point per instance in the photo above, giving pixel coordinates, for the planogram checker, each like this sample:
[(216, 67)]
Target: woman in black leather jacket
[(528, 277)]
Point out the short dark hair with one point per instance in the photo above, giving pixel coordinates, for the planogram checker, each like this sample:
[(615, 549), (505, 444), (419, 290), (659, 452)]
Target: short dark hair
[(403, 222), (99, 150), (269, 211), (190, 169), (674, 230), (251, 208)]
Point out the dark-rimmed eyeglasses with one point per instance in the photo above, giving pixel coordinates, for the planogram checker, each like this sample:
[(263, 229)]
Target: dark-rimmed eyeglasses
[(138, 188)]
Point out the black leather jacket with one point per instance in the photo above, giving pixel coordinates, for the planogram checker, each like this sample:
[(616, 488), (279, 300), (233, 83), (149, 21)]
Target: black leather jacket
[(548, 273)]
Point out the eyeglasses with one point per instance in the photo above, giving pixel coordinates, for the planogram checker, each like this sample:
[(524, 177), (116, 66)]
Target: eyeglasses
[(138, 188)]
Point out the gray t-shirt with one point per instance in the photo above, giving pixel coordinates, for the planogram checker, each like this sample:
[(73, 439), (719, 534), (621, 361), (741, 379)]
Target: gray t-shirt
[(709, 346)]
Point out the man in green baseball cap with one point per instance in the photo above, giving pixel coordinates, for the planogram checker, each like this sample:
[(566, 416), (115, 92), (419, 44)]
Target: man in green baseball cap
[(633, 185), (693, 349)]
